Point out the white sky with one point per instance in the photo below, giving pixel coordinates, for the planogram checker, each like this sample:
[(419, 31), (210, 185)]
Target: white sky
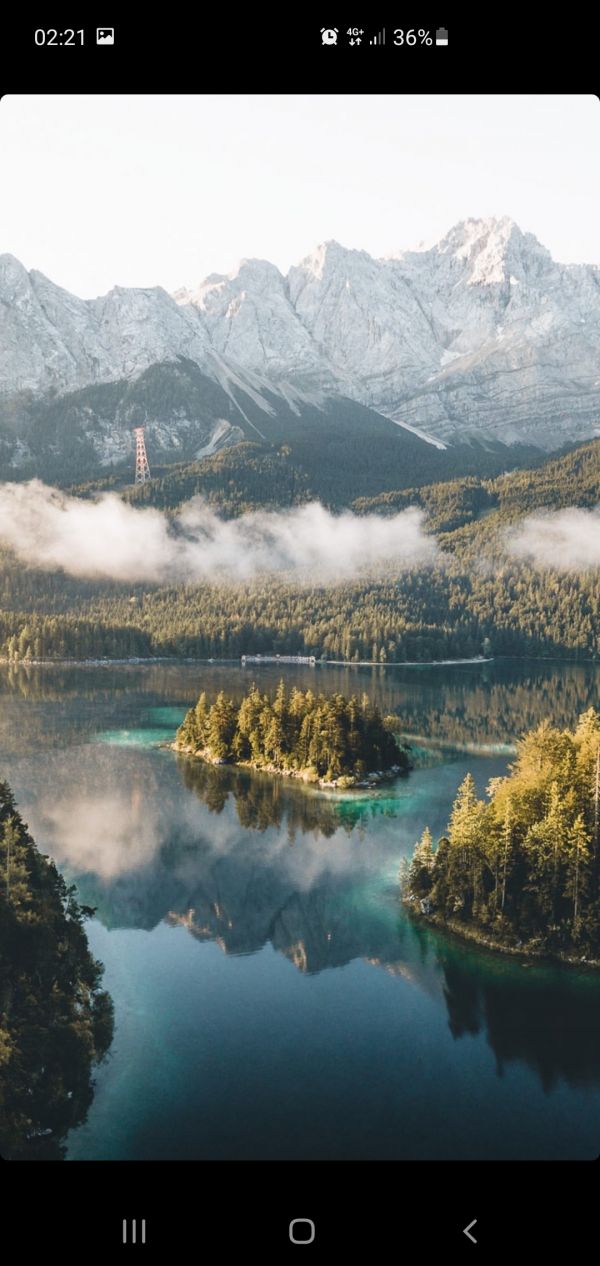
[(100, 191)]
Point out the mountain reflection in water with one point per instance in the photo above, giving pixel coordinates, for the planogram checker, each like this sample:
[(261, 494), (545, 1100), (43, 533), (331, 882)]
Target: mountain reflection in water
[(251, 926), (305, 877)]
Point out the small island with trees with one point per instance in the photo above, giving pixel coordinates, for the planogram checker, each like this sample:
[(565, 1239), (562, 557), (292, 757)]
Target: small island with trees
[(521, 871), (326, 739)]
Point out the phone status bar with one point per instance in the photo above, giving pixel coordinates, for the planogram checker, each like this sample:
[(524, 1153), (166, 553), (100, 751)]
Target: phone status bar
[(354, 36)]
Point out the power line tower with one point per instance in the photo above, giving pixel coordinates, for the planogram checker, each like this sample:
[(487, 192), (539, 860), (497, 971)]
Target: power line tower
[(142, 469)]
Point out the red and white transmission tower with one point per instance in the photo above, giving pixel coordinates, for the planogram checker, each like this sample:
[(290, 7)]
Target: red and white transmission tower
[(142, 469)]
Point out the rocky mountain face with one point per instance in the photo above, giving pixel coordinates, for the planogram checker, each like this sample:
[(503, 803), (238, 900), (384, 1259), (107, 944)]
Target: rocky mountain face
[(52, 341), (189, 416), (480, 337)]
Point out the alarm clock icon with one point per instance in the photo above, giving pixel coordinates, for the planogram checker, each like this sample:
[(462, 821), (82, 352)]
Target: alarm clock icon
[(329, 37)]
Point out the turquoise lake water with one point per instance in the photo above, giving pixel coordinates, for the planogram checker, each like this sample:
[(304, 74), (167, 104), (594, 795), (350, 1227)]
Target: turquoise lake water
[(272, 999)]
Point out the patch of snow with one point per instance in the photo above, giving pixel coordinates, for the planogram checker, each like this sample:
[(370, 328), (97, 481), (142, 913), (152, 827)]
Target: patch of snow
[(222, 428), (448, 356), (342, 323), (429, 439), (295, 395), (227, 377)]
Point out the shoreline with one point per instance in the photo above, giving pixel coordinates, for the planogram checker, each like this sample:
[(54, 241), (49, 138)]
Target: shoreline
[(93, 662), (407, 663), (474, 937), (133, 661), (140, 660), (345, 782)]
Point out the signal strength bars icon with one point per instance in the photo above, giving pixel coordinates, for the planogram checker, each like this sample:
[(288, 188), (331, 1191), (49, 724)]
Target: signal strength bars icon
[(379, 38)]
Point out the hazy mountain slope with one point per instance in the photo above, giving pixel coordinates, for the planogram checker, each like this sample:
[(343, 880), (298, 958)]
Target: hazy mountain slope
[(481, 336), (188, 415), (571, 479)]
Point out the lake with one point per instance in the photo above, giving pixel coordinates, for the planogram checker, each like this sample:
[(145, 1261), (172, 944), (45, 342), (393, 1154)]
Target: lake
[(272, 997)]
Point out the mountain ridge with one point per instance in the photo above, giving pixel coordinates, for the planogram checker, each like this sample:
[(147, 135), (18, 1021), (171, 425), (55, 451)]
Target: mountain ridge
[(482, 336)]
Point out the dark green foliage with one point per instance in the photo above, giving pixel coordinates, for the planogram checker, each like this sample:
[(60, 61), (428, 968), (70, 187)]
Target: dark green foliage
[(475, 600), (341, 448), (340, 456), (234, 481), (55, 1020), (524, 865), (58, 431), (327, 737), (439, 613), (448, 506), (34, 636), (571, 478), (262, 802)]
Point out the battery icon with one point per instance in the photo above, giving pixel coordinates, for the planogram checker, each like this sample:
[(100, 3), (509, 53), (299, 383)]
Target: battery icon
[(441, 36)]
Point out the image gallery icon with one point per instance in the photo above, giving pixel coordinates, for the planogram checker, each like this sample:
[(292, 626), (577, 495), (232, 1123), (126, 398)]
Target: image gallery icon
[(329, 37), (105, 35)]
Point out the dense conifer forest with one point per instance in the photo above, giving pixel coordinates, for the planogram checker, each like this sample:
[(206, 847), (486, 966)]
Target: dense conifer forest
[(55, 1019), (326, 738), (475, 599), (522, 868)]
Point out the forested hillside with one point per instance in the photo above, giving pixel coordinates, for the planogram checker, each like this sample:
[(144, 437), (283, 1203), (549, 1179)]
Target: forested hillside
[(334, 460), (55, 1020), (476, 598), (573, 479)]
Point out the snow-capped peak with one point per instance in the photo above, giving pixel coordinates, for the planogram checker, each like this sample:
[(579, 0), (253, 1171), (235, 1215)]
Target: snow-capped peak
[(471, 234), (250, 275), (14, 277), (324, 256), (494, 249), (481, 332)]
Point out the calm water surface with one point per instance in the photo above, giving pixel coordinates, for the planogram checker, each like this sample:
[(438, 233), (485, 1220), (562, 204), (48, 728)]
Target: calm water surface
[(272, 998)]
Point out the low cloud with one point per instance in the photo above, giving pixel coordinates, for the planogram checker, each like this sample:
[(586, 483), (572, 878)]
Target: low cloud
[(106, 835), (567, 540), (109, 539)]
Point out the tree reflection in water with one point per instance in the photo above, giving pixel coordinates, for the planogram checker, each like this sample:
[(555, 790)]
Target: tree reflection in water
[(310, 905), (550, 1021)]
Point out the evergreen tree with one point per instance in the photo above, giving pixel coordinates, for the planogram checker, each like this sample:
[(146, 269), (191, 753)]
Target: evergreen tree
[(525, 863), (221, 727), (420, 873), (578, 860), (329, 737), (55, 1020)]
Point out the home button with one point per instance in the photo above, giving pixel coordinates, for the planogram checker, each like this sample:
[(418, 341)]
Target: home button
[(302, 1231)]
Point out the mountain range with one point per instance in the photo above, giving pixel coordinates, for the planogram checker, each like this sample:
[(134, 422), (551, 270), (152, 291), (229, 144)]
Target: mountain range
[(480, 340)]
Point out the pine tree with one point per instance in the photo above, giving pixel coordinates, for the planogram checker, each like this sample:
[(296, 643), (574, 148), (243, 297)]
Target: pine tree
[(420, 878), (221, 727), (467, 858), (578, 845), (507, 844), (330, 736), (596, 799), (529, 855), (404, 877), (201, 721)]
